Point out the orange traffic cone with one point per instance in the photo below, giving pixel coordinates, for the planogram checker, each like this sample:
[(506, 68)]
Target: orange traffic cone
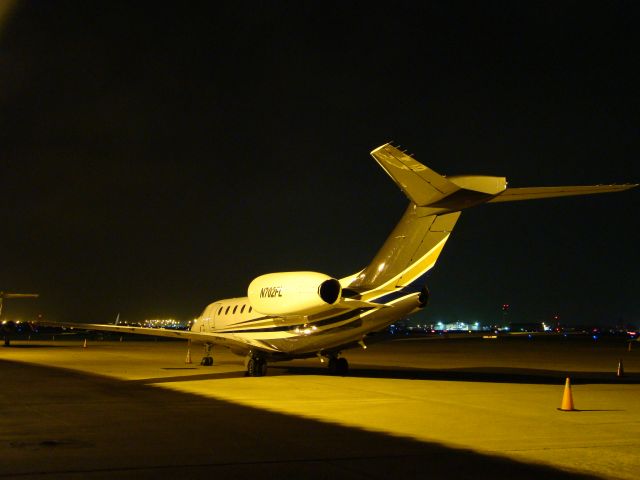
[(620, 372), (85, 343), (567, 398), (188, 359)]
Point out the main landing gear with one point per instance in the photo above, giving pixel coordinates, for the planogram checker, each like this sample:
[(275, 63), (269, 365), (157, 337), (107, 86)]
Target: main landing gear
[(207, 360), (256, 365), (338, 365)]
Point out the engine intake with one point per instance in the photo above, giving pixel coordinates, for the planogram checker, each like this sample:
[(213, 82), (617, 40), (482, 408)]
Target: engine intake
[(293, 293)]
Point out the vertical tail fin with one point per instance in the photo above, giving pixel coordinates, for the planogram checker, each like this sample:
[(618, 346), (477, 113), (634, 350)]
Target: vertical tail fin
[(417, 240), (419, 183), (409, 252)]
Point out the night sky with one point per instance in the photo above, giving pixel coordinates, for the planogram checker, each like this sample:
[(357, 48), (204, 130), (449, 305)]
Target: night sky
[(156, 157)]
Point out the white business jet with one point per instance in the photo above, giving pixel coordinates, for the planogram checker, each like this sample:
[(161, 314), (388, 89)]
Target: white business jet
[(288, 315)]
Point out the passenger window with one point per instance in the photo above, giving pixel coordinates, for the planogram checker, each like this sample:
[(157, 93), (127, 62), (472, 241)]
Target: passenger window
[(227, 310), (235, 308), (242, 309)]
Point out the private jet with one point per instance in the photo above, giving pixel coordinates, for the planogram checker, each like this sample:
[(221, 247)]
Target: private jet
[(290, 315)]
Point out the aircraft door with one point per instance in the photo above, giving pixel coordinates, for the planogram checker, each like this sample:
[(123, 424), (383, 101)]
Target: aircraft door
[(208, 319)]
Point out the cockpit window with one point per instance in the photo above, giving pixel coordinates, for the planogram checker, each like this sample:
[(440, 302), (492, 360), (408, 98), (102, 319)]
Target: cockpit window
[(242, 309), (227, 310), (220, 310), (235, 308)]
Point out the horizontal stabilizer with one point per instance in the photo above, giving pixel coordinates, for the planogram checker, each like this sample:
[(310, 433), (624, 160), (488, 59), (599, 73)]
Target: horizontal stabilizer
[(534, 193), (439, 194)]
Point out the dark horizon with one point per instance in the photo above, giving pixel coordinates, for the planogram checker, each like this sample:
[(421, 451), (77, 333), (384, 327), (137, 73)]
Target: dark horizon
[(157, 158)]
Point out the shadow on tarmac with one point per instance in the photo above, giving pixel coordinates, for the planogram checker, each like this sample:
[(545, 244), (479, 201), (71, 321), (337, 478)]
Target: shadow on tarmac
[(189, 378), (35, 345), (480, 374), (63, 424), (515, 376)]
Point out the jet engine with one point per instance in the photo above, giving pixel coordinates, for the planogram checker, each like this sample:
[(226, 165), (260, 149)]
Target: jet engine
[(293, 293)]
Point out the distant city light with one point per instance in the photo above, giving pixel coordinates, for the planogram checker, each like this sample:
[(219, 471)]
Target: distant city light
[(169, 323)]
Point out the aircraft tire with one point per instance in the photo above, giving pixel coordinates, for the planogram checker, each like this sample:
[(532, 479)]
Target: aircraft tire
[(262, 367), (256, 367), (333, 365), (206, 361), (338, 366), (342, 366), (251, 367)]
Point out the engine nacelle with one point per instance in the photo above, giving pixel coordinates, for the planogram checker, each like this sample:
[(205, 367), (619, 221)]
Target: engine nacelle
[(293, 293)]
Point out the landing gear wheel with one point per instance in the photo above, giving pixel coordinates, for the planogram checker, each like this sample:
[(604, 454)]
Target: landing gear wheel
[(338, 366), (256, 367), (333, 365), (342, 366), (206, 361), (251, 368)]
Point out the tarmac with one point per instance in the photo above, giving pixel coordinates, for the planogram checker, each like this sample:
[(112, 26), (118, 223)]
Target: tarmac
[(410, 408)]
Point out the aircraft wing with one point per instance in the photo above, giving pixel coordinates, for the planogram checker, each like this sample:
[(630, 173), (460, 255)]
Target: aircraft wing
[(533, 193), (155, 332)]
